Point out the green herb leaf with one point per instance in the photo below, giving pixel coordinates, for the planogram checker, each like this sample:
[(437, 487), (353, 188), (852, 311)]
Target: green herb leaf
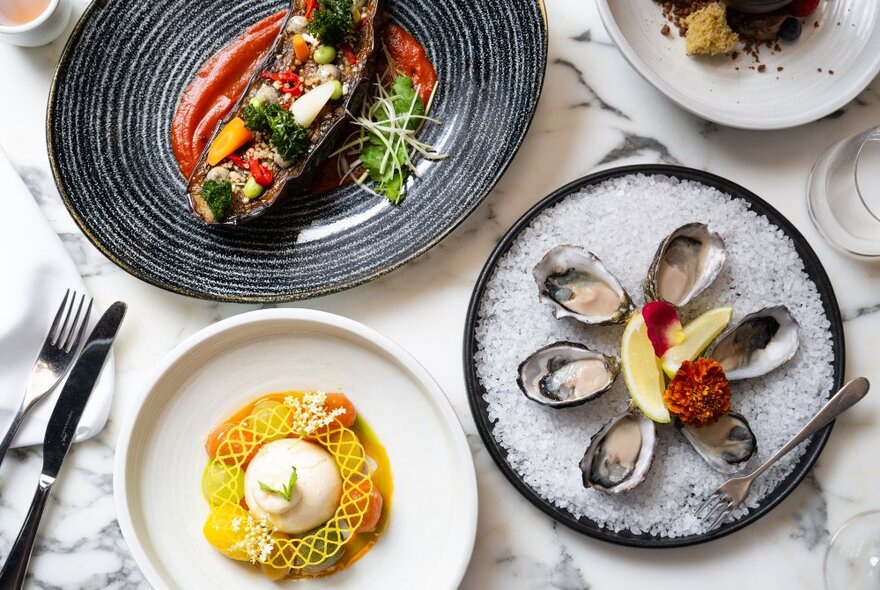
[(293, 478), (404, 97), (218, 196), (286, 490)]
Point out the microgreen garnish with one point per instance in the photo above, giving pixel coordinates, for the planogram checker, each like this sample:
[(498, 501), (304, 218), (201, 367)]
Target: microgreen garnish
[(385, 147), (286, 490)]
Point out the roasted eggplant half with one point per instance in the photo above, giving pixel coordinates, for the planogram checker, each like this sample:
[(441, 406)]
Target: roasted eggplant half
[(292, 113)]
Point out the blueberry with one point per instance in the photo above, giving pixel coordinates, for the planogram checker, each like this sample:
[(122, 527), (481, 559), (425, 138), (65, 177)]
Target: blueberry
[(791, 29)]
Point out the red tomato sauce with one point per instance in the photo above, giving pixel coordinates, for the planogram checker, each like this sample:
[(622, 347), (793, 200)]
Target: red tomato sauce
[(216, 88), (223, 78), (410, 58)]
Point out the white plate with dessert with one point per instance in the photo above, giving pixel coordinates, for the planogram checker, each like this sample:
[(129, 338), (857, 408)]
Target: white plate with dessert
[(787, 68), (298, 445)]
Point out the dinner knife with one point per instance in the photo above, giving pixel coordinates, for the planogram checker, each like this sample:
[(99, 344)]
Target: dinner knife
[(59, 434)]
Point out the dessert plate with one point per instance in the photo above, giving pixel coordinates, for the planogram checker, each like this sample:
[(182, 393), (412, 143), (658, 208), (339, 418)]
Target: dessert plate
[(160, 456), (836, 57)]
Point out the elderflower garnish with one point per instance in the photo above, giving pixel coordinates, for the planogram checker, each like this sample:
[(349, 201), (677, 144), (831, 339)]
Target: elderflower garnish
[(257, 542), (286, 490), (699, 393), (310, 412)]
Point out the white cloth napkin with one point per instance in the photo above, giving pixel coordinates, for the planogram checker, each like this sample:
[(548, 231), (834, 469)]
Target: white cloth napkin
[(34, 274)]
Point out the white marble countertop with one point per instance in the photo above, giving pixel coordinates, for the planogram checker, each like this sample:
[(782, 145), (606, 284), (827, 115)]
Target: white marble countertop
[(595, 112)]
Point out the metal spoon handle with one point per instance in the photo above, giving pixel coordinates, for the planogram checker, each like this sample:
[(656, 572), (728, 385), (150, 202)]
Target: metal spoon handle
[(840, 402), (16, 566)]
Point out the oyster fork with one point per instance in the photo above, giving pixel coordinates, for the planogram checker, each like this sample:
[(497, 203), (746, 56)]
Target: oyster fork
[(55, 358), (721, 503)]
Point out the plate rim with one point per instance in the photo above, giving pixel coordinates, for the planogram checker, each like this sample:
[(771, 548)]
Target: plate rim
[(475, 390), (288, 296), (640, 66), (467, 504)]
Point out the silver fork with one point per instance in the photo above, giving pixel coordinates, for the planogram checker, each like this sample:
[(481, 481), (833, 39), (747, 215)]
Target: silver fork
[(720, 504), (55, 358)]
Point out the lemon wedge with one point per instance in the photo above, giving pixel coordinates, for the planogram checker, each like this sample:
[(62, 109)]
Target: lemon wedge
[(641, 370), (698, 335)]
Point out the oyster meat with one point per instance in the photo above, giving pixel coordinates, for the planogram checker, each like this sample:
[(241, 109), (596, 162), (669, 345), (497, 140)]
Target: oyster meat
[(761, 342), (578, 285), (726, 445), (619, 455), (566, 374), (686, 263)]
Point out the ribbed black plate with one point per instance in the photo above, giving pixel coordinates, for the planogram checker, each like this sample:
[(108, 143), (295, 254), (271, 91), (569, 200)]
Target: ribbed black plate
[(479, 407), (108, 126)]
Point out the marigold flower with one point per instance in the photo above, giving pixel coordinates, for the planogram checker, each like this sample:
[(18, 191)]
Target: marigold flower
[(699, 393)]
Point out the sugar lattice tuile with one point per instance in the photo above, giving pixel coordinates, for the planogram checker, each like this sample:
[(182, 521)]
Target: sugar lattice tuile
[(302, 418)]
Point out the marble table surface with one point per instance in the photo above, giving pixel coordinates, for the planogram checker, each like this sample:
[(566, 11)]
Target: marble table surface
[(595, 112)]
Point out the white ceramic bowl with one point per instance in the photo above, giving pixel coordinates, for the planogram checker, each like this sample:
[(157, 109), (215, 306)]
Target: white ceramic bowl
[(846, 41), (42, 30), (160, 457)]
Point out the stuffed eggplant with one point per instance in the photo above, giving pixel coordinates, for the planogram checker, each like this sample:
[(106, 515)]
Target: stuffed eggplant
[(289, 117)]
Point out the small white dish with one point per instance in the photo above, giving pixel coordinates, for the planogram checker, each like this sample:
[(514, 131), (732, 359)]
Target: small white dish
[(160, 455), (42, 30), (846, 41)]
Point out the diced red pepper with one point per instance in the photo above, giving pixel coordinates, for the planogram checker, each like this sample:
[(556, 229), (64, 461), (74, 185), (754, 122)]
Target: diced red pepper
[(283, 77), (238, 161), (349, 54), (261, 174), (293, 91), (311, 5)]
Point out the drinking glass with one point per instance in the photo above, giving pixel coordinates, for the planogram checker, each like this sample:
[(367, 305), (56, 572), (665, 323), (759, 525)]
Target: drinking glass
[(843, 194), (852, 561)]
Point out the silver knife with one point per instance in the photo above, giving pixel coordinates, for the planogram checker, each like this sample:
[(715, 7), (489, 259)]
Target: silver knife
[(59, 434)]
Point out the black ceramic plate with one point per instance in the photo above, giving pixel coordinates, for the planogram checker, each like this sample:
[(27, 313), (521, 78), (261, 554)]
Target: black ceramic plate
[(108, 124), (479, 407)]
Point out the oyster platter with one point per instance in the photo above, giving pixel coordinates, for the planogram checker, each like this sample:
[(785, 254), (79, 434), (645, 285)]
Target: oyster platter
[(654, 351)]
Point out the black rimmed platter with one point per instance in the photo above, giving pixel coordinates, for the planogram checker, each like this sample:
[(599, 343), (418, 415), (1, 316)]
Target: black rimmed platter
[(108, 127), (476, 391)]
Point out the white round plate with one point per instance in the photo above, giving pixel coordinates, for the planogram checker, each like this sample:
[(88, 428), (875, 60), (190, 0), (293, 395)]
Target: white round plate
[(160, 456), (846, 41)]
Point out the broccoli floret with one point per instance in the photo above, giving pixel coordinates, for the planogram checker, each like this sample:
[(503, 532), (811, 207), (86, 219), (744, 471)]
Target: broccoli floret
[(218, 196), (254, 116), (289, 138), (332, 22)]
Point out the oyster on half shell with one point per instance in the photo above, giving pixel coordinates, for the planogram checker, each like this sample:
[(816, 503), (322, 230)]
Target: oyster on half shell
[(578, 285), (726, 445), (686, 263), (566, 374), (761, 342), (619, 455)]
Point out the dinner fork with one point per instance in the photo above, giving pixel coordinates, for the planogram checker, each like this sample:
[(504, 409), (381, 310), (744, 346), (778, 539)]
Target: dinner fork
[(55, 358), (720, 504)]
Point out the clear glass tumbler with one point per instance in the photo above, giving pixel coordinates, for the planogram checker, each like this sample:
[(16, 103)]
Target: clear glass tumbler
[(843, 194), (852, 561)]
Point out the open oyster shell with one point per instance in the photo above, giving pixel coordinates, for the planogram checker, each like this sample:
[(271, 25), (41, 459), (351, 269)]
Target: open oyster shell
[(761, 342), (566, 374), (686, 263), (619, 455), (577, 285), (726, 445)]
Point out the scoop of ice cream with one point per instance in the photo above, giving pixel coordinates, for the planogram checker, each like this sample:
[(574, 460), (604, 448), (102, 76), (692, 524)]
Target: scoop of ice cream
[(313, 498)]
